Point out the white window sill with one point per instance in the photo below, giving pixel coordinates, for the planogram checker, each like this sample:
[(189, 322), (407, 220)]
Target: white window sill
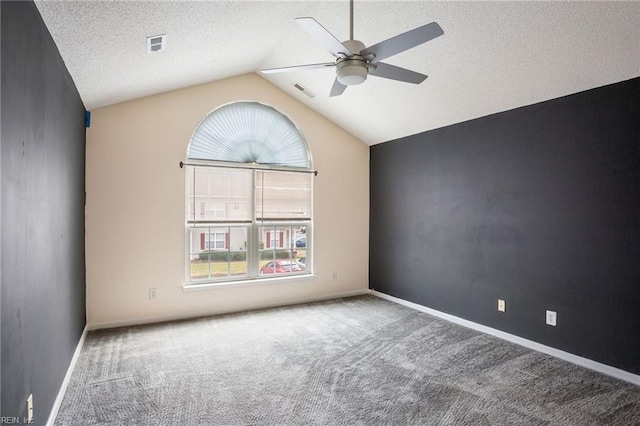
[(246, 283)]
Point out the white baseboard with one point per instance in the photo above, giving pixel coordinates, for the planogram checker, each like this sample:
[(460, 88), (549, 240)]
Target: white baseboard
[(165, 318), (566, 356), (63, 388)]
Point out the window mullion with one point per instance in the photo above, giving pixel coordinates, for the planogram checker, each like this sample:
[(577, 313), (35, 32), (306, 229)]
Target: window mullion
[(254, 234), (207, 238)]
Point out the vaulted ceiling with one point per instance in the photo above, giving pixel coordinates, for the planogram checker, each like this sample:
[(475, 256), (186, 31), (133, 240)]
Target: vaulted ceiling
[(493, 56)]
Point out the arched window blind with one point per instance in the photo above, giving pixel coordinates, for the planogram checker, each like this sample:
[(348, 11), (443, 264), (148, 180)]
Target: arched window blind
[(249, 132)]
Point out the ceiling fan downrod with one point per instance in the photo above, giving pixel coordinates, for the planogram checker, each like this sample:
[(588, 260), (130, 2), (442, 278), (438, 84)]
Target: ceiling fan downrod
[(352, 70), (350, 19)]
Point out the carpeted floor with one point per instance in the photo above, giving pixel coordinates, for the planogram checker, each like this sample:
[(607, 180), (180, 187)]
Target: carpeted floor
[(355, 361)]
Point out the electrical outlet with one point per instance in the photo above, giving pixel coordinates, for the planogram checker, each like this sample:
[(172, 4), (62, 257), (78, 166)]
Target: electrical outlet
[(153, 293), (30, 408), (502, 305), (552, 318)]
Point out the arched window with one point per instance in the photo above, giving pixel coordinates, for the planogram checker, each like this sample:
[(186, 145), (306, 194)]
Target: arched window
[(249, 196)]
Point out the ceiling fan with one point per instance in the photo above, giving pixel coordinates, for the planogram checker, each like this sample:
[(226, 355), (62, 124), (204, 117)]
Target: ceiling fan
[(354, 61)]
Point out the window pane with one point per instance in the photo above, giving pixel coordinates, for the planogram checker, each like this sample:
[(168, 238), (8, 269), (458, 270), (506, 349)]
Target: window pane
[(283, 195), (218, 252), (216, 194), (278, 251)]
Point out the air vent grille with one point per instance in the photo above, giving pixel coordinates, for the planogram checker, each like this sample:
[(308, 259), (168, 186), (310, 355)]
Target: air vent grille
[(157, 43), (304, 90)]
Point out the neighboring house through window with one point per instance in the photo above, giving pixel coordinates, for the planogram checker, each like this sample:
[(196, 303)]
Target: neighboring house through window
[(249, 196)]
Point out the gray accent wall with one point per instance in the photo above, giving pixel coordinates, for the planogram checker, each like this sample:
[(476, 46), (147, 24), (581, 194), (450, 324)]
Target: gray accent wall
[(539, 206), (42, 199)]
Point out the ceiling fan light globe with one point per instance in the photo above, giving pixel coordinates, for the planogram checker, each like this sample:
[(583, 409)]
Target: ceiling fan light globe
[(351, 73)]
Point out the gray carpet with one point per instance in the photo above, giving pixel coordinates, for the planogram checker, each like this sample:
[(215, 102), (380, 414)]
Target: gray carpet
[(355, 361)]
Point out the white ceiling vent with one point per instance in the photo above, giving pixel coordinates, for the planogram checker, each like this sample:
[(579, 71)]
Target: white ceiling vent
[(157, 43), (304, 90)]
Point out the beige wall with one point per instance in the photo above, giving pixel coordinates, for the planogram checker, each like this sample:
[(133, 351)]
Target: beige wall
[(135, 207)]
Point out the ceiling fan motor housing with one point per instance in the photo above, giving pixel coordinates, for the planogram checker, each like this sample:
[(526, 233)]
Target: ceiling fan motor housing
[(352, 70)]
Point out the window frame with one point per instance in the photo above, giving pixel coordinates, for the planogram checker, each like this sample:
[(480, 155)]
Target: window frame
[(254, 234)]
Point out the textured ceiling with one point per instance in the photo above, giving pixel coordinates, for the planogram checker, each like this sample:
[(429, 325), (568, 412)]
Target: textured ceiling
[(494, 56)]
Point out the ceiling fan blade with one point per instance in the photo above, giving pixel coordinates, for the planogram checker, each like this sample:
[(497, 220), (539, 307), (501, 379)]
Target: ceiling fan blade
[(337, 89), (402, 42), (396, 73), (298, 68), (324, 37)]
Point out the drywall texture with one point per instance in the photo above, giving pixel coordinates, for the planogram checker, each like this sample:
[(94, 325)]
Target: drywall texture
[(135, 207), (538, 206), (42, 175)]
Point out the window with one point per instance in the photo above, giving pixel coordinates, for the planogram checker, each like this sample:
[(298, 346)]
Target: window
[(248, 219), (216, 240)]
